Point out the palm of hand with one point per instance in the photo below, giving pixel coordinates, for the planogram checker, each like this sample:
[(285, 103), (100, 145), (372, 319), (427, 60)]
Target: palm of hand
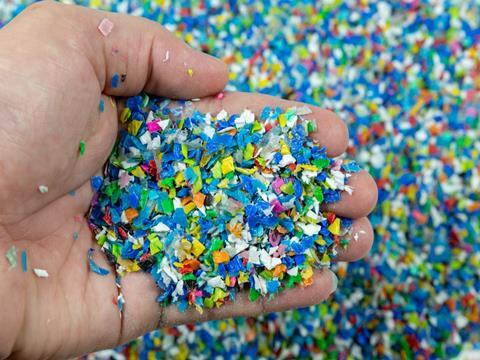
[(53, 102)]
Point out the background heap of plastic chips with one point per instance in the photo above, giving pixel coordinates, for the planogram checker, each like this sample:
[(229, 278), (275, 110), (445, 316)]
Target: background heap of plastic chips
[(405, 76)]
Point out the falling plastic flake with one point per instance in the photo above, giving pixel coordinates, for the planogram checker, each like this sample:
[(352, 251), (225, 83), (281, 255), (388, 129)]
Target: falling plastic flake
[(213, 205)]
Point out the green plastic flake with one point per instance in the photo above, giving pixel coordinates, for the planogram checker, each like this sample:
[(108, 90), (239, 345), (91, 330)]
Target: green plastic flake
[(217, 244), (310, 126), (101, 239), (253, 295), (116, 250), (167, 205), (11, 256), (167, 182), (292, 280), (318, 193), (155, 244), (321, 163), (248, 152), (256, 126), (81, 147), (287, 188), (188, 277)]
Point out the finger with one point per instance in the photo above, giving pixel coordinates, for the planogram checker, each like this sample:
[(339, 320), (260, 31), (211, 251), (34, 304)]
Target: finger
[(360, 241), (143, 313), (362, 200), (330, 132), (139, 54), (132, 54)]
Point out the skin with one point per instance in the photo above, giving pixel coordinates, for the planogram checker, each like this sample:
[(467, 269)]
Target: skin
[(56, 67)]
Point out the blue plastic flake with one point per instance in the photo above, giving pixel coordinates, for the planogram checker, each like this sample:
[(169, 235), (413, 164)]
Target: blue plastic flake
[(93, 266), (96, 182), (115, 80), (24, 261)]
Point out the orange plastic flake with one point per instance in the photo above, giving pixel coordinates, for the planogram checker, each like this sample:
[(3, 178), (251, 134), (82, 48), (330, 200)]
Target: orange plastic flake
[(189, 266), (235, 229), (279, 270), (131, 214), (308, 282), (220, 257), (199, 199)]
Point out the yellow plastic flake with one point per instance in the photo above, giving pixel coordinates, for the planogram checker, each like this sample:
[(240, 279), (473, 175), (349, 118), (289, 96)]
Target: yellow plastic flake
[(321, 241), (284, 149), (228, 165), (282, 120), (334, 227), (134, 126), (325, 258), (248, 152), (242, 277), (223, 184), (197, 248), (185, 151), (190, 72), (306, 167), (179, 178), (256, 126), (218, 294), (246, 171), (155, 244), (128, 265), (307, 273), (138, 172), (217, 170), (189, 207), (126, 112)]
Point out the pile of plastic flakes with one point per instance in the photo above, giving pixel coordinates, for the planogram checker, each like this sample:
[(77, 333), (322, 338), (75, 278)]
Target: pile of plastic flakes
[(405, 76), (211, 204)]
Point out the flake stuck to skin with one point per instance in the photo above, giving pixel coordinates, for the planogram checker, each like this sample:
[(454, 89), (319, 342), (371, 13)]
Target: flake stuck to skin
[(41, 273), (167, 56), (43, 189), (11, 255), (105, 27)]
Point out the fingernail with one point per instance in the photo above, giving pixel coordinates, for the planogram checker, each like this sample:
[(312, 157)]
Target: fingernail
[(334, 282)]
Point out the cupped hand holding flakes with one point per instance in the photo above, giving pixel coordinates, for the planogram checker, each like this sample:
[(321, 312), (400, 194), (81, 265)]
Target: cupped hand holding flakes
[(59, 124)]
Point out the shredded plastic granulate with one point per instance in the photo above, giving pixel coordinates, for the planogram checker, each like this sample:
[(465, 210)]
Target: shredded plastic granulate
[(405, 77), (210, 204)]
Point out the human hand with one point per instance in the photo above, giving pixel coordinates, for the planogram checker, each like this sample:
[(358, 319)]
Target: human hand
[(56, 69)]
